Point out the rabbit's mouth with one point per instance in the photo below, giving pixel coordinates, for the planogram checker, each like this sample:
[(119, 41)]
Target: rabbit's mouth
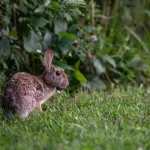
[(59, 89)]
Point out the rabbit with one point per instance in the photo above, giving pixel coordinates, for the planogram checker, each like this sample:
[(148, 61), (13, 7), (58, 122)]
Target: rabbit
[(25, 93)]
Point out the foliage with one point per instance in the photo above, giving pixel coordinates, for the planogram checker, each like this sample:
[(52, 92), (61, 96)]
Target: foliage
[(116, 50), (117, 119), (31, 29), (104, 59), (107, 46)]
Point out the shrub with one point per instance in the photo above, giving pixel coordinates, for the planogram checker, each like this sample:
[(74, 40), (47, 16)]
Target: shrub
[(107, 46), (28, 28)]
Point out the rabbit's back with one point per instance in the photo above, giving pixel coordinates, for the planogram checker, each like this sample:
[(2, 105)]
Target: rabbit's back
[(21, 93)]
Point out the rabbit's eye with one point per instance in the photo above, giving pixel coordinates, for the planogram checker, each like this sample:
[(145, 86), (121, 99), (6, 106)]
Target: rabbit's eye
[(57, 73)]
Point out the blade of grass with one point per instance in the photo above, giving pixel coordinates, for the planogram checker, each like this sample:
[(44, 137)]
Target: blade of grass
[(137, 38)]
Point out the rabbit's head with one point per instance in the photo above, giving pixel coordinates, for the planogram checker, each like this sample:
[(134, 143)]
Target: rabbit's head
[(53, 75)]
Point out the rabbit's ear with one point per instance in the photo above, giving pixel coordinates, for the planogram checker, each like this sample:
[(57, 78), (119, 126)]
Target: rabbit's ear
[(48, 57)]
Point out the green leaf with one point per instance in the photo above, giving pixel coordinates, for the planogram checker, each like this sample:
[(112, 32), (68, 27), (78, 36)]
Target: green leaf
[(17, 64), (98, 66), (55, 5), (79, 76), (5, 32), (60, 26), (67, 35), (68, 17), (97, 84), (137, 38), (64, 44), (4, 47), (4, 64), (73, 28), (6, 19), (135, 62), (13, 34), (109, 59), (131, 74), (78, 2), (47, 40), (47, 37), (116, 71), (40, 9), (77, 64), (39, 22), (32, 42), (146, 12), (63, 65)]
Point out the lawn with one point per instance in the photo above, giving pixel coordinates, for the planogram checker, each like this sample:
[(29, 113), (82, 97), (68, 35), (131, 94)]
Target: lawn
[(110, 120)]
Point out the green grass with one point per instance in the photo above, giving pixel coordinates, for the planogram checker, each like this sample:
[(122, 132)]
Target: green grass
[(111, 120)]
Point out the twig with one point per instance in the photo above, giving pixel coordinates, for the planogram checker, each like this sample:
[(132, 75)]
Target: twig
[(15, 20), (93, 12)]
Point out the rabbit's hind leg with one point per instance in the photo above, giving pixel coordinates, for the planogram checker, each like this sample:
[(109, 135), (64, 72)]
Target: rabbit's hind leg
[(24, 114), (28, 104)]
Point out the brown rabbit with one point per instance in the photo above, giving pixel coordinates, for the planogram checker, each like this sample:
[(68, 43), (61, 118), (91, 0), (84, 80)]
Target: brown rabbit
[(25, 92)]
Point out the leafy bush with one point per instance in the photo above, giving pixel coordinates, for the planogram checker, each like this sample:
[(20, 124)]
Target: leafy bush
[(28, 28), (117, 49), (108, 45), (103, 60)]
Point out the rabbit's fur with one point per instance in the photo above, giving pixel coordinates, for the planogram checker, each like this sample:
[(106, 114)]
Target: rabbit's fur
[(25, 92)]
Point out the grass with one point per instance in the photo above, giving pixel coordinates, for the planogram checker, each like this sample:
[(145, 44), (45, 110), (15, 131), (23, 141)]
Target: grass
[(110, 120)]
